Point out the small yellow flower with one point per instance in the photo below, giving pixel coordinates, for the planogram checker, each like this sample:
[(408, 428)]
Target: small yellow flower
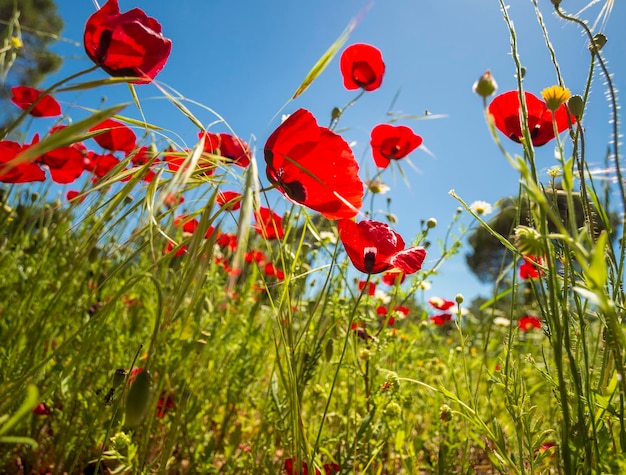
[(16, 42), (555, 96)]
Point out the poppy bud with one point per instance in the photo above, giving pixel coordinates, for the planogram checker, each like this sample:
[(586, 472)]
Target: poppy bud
[(556, 3), (431, 223), (528, 241), (599, 40), (459, 298), (138, 398), (485, 85), (576, 106)]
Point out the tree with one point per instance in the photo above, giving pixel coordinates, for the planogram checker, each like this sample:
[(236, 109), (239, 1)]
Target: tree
[(27, 29), (489, 256)]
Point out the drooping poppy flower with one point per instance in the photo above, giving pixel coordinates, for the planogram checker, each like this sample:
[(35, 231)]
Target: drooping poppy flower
[(441, 319), (392, 142), (126, 44), (314, 167), (374, 247), (505, 110), (441, 304), (24, 96), (227, 146), (371, 287), (25, 172), (231, 200), (529, 322), (362, 67), (528, 269), (393, 277), (269, 225), (115, 136)]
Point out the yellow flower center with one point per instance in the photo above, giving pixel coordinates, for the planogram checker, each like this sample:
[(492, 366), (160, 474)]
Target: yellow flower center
[(555, 96)]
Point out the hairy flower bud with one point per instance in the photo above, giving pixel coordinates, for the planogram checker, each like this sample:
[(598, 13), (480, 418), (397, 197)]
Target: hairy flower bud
[(485, 85), (576, 106), (528, 241)]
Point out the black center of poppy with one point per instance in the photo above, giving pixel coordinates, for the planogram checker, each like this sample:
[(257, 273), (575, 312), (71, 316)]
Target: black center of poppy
[(295, 190), (369, 259), (103, 45)]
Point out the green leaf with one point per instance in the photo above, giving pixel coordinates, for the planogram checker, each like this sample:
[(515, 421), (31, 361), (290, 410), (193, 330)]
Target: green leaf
[(325, 59), (596, 274), (66, 136), (32, 399)]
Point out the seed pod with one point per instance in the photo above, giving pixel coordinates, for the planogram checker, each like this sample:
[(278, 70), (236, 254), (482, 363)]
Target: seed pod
[(138, 399)]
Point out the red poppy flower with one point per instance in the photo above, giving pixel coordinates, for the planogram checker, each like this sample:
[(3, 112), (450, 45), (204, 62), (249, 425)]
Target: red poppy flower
[(228, 240), (126, 44), (272, 271), (371, 287), (441, 319), (165, 404), (66, 164), (188, 225), (305, 468), (115, 136), (331, 468), (505, 109), (392, 142), (528, 269), (227, 146), (100, 165), (374, 247), (268, 224), (314, 167), (528, 322), (393, 277), (362, 66), (231, 200), (24, 172), (255, 256), (72, 195), (42, 409), (175, 161), (441, 304), (24, 96)]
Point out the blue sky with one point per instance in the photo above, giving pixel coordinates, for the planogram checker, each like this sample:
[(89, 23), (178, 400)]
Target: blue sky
[(244, 59)]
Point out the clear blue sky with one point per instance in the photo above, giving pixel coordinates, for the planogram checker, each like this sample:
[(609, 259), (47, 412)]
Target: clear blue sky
[(244, 59)]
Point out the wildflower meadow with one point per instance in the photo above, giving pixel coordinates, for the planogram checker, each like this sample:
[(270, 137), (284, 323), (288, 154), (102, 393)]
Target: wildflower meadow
[(202, 302)]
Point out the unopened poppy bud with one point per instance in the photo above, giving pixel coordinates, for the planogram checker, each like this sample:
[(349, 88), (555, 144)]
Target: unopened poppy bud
[(576, 106), (459, 298), (556, 3), (485, 85), (431, 223), (528, 241), (335, 113), (599, 40), (138, 398), (377, 186), (392, 218)]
